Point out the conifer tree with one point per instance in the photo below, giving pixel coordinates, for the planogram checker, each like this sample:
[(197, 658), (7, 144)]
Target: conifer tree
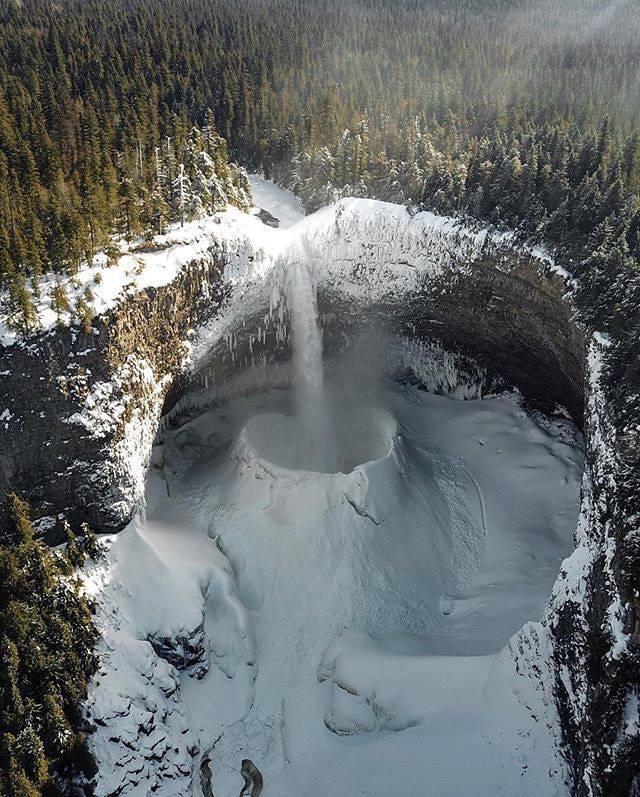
[(46, 658), (182, 195), (23, 316), (89, 543), (60, 300), (72, 550), (84, 313)]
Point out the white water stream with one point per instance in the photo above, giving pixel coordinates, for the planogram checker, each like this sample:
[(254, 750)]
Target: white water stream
[(311, 429)]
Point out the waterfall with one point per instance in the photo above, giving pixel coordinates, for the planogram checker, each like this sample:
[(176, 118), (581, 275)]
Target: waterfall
[(310, 403)]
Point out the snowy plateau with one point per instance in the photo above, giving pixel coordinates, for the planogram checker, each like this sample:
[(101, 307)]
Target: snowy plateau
[(363, 623)]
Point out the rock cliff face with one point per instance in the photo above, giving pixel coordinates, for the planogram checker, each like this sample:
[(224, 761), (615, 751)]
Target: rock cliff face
[(79, 411), (80, 408), (593, 618)]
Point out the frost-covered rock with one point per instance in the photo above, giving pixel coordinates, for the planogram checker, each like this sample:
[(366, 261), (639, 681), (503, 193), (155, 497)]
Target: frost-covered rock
[(186, 652), (140, 734), (166, 612), (594, 656)]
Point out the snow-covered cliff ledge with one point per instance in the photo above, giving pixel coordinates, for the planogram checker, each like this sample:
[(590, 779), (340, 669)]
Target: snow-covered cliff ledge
[(79, 406)]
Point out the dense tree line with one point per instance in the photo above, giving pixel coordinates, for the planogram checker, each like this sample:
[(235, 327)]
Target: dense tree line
[(46, 658), (457, 104), (554, 182)]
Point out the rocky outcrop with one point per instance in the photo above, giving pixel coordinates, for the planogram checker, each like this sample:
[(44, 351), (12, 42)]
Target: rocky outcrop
[(142, 731), (187, 652), (80, 408), (509, 318), (594, 619)]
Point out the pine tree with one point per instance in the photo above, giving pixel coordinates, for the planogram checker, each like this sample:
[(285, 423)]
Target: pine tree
[(344, 159), (15, 521), (23, 317), (84, 313), (72, 550), (89, 543), (60, 300), (159, 214), (46, 658), (182, 195), (128, 199)]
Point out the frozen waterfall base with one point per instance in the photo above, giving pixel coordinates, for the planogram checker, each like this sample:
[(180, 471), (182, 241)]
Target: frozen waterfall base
[(360, 627)]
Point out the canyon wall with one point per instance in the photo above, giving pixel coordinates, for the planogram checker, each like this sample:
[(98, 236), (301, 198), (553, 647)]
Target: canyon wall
[(80, 407), (79, 410)]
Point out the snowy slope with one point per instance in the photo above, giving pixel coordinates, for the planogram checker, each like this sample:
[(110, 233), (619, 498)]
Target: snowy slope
[(397, 584), (282, 204), (163, 581), (156, 263)]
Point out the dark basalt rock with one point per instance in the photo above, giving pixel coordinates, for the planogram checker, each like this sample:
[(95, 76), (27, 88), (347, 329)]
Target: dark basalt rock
[(266, 218), (187, 652)]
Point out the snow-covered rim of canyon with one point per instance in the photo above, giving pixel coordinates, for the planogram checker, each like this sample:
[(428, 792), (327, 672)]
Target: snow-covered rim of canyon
[(408, 246), (387, 705)]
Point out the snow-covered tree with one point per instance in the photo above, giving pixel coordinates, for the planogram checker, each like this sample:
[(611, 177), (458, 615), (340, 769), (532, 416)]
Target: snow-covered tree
[(182, 197)]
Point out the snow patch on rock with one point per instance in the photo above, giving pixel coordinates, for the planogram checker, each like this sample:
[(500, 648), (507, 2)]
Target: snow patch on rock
[(162, 591)]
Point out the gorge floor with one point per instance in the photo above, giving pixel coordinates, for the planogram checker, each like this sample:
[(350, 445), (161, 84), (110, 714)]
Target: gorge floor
[(353, 624)]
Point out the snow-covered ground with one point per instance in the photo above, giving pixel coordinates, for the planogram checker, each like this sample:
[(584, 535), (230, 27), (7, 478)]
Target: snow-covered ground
[(155, 263), (353, 623), (282, 204)]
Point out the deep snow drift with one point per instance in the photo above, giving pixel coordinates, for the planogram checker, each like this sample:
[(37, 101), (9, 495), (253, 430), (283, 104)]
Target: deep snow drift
[(351, 623), (347, 624)]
